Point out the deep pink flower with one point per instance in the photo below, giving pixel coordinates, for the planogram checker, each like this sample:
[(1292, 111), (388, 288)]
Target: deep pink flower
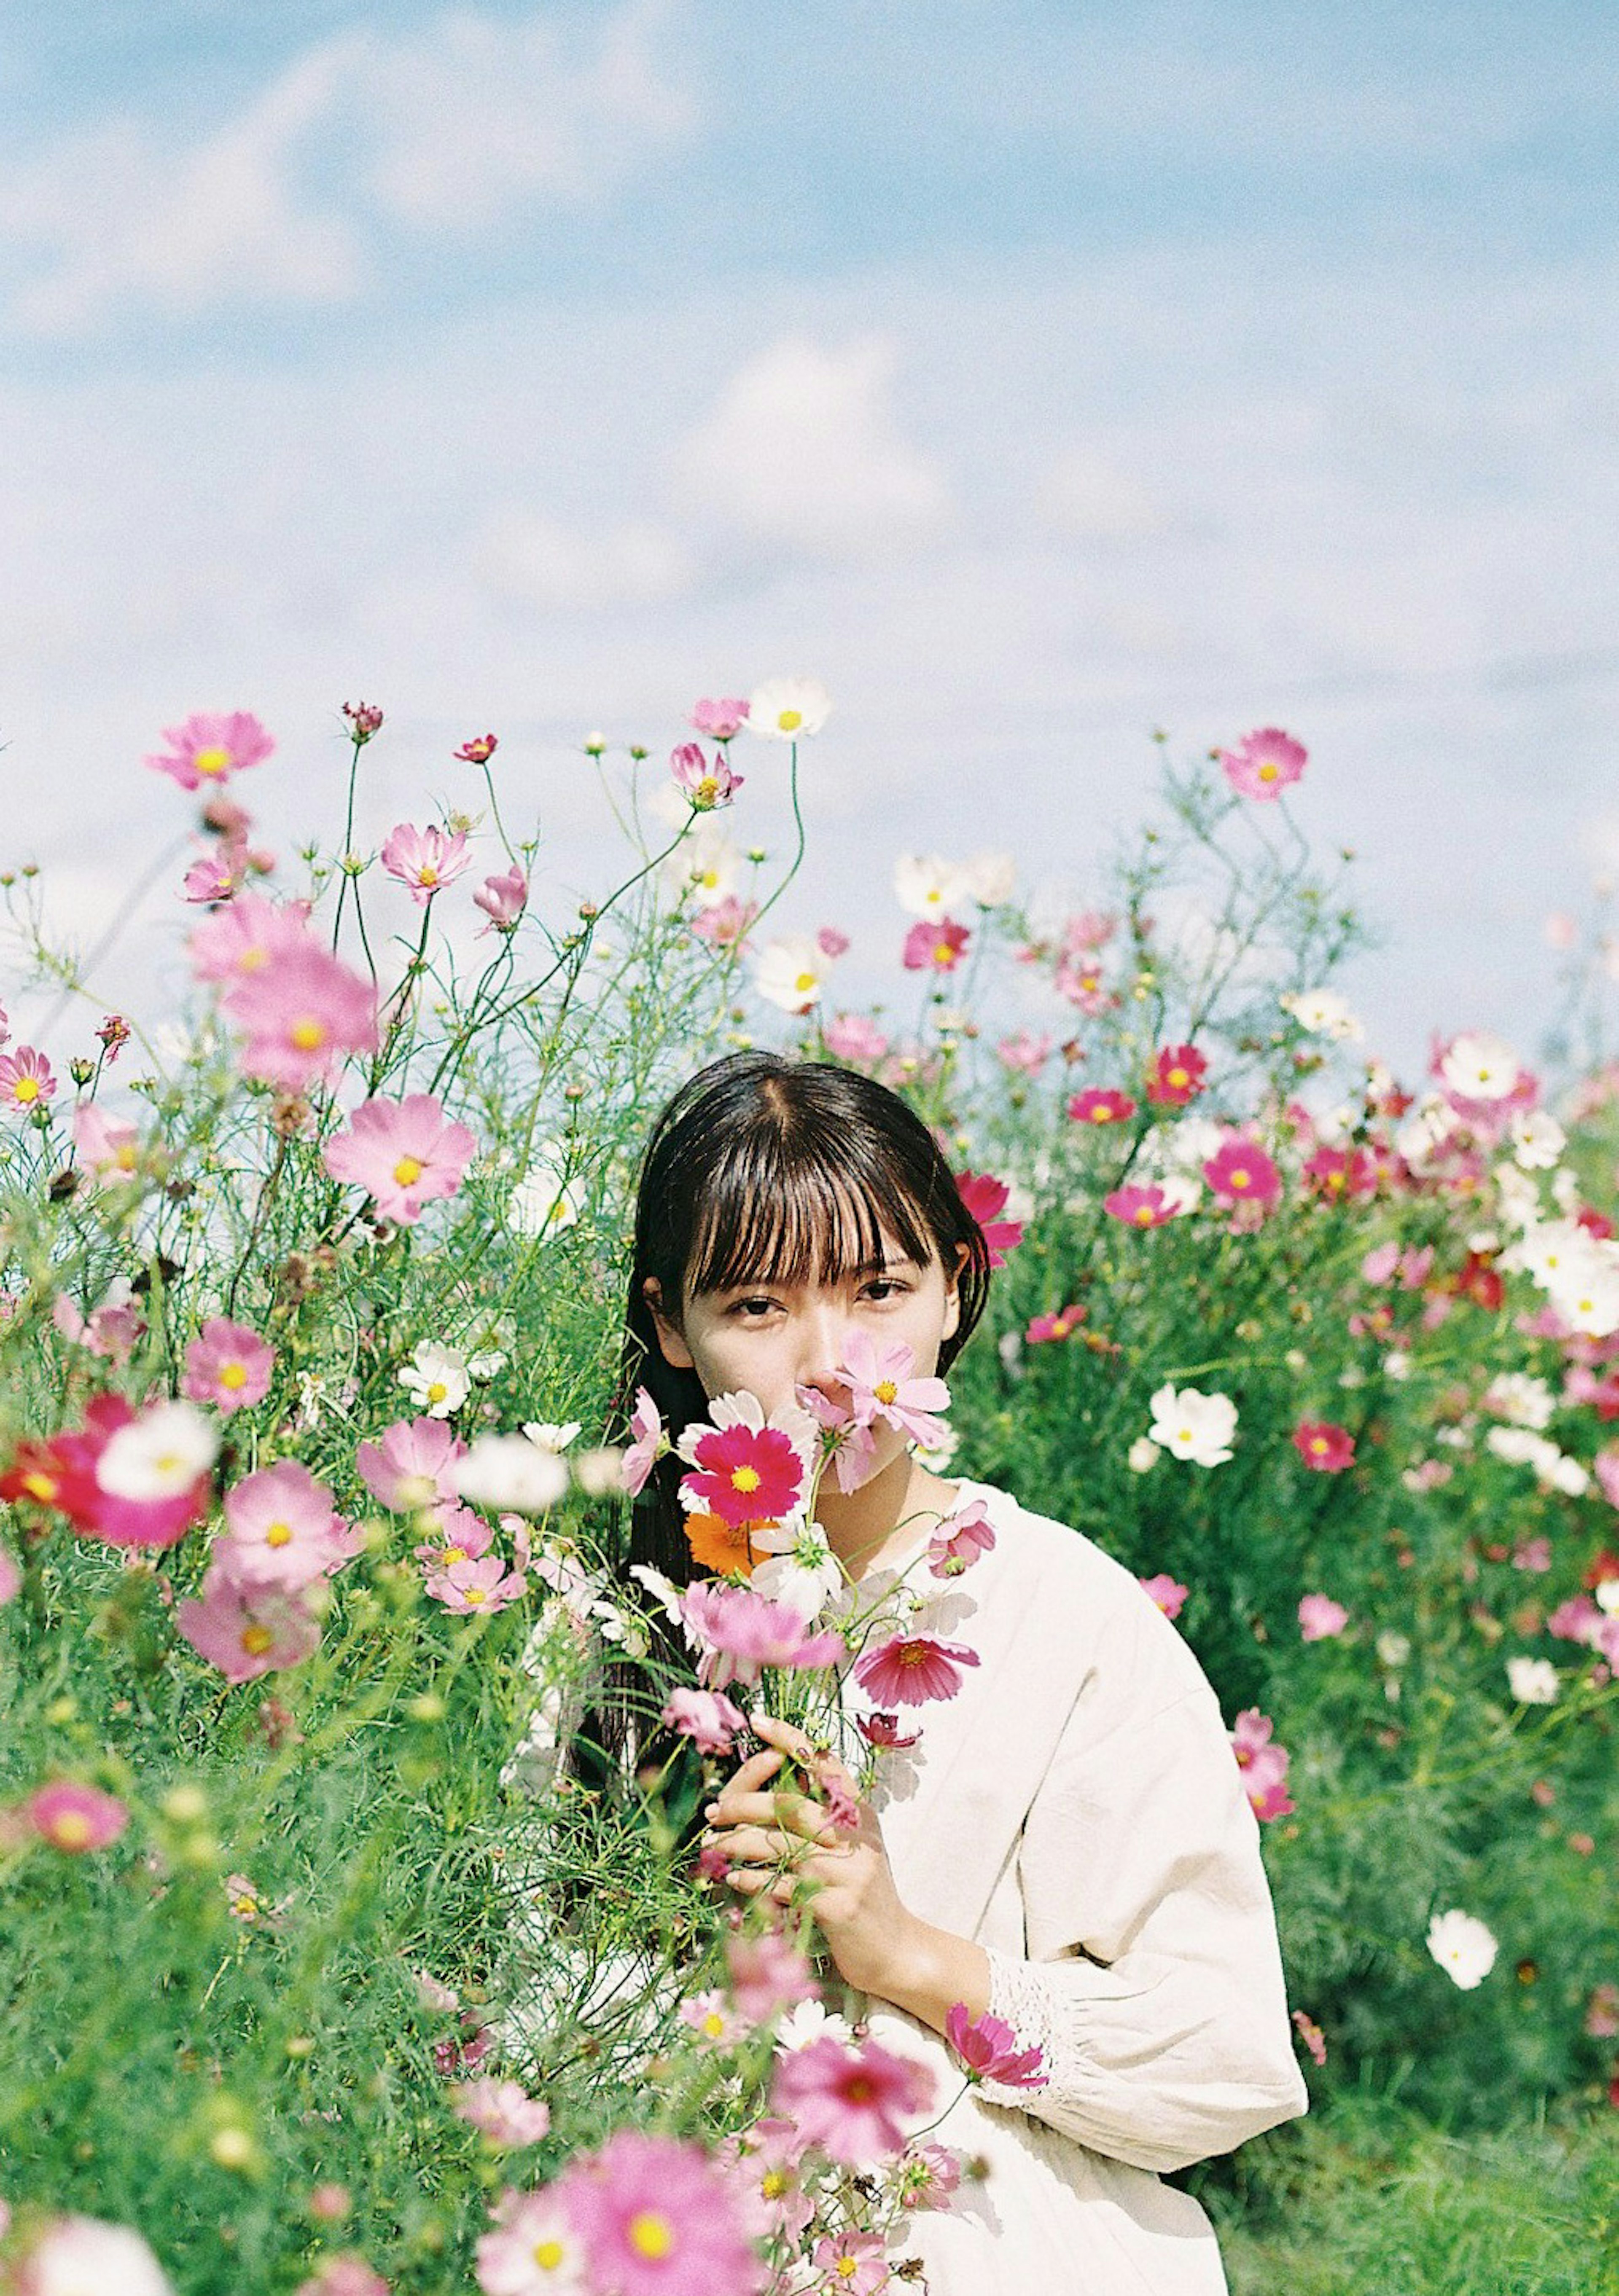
[(1341, 1172), (409, 1469), (1139, 1207), (1264, 763), (742, 1473), (706, 1716), (987, 2049), (1320, 1617), (463, 1536), (719, 720), (113, 1033), (646, 1428), (284, 1532), (424, 859), (1095, 1106), (110, 1331), (880, 1386), (883, 1732), (1059, 1326), (502, 899), (986, 1198), (1262, 1763), (228, 1365), (105, 1143), (211, 746), (960, 1540), (74, 1818), (765, 1974), (1167, 1593), (63, 1474), (247, 1633), (26, 1081), (851, 1037), (743, 1633), (242, 940), (502, 2111), (912, 1669), (1176, 1075), (706, 785), (403, 1152), (478, 751), (852, 2261), (1024, 1054), (1243, 1175), (935, 944), (1327, 1449), (364, 719), (657, 2218), (303, 1011), (851, 2101)]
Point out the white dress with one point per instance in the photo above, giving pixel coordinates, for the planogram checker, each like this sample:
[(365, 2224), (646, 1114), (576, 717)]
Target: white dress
[(1076, 1810)]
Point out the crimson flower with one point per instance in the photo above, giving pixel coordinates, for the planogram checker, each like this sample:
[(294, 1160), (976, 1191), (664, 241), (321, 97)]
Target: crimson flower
[(1322, 1445), (478, 753), (1095, 1106), (1243, 1174), (986, 1198), (882, 1730), (744, 1475), (1176, 1075), (934, 945)]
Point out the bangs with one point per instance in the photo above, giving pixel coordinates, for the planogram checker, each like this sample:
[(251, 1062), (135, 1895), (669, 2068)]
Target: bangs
[(785, 1204)]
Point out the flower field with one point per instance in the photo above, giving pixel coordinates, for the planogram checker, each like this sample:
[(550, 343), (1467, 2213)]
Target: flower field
[(343, 1952)]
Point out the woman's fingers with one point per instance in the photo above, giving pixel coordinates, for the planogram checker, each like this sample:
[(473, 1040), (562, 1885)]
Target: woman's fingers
[(794, 1812), (752, 1773), (783, 1735)]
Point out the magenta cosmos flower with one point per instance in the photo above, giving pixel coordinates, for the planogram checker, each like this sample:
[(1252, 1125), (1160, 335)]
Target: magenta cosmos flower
[(1139, 1207), (880, 1386), (657, 2218), (1095, 1106), (986, 1198), (852, 2101), (403, 1152), (1243, 1174), (935, 945), (1326, 1448), (410, 1469), (1264, 763), (707, 786), (424, 859), (247, 1632), (1262, 1763), (26, 1081), (283, 1530), (913, 1669), (74, 1818), (1320, 1617), (303, 1010), (228, 1365), (987, 2049), (748, 1469), (211, 746), (742, 1634), (1062, 1325), (1176, 1075)]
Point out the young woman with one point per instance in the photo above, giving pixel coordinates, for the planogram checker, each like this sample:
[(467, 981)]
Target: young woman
[(1069, 1847)]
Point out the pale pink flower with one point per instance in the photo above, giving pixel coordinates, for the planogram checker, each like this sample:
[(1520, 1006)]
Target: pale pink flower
[(1381, 1264), (284, 1532), (1605, 1465), (104, 1144), (706, 1716), (959, 1541), (881, 1386), (534, 2249), (502, 899), (853, 1447), (913, 1669), (1533, 1554), (11, 1577), (409, 1469), (1167, 1593), (247, 1632), (1311, 2035), (766, 1974), (929, 2176), (646, 1428), (342, 2275), (720, 720), (74, 1818), (852, 2261), (462, 1536), (987, 2047), (403, 1152), (502, 2111), (707, 2015), (216, 877), (763, 2166), (424, 859), (724, 923), (1320, 1618), (241, 940), (484, 1584), (26, 1081), (303, 1011), (1264, 1764), (706, 785), (1024, 1054), (110, 1331), (1264, 763), (211, 746), (228, 1365), (851, 2101), (741, 1635), (851, 1037), (657, 2218), (81, 2256)]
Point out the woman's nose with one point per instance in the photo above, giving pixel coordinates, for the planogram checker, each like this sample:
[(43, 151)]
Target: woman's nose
[(820, 1350)]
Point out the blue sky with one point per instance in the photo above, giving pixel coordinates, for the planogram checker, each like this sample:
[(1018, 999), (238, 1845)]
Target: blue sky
[(1037, 376)]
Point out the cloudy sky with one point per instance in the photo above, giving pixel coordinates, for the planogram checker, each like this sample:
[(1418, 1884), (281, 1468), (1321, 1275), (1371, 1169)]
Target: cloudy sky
[(1035, 374)]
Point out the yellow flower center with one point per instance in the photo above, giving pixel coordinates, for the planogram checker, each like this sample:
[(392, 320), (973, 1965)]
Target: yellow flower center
[(713, 2025), (804, 982), (650, 2235), (706, 792), (1268, 772), (407, 1170), (885, 1391), (279, 1534), (427, 875), (942, 952), (744, 1479), (913, 1654), (307, 1033), (548, 2254), (251, 959), (233, 1375), (1101, 1116), (1183, 1435), (454, 1555), (210, 761), (773, 2183), (474, 1594), (70, 1829), (256, 1640), (245, 1908), (707, 878), (24, 1089), (1143, 1217), (39, 1487), (847, 2266), (1241, 1179), (124, 1157), (1179, 1079), (436, 1390), (1061, 1327), (1318, 1443), (790, 720)]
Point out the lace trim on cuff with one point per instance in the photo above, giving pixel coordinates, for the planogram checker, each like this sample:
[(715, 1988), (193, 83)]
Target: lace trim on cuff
[(1020, 1996)]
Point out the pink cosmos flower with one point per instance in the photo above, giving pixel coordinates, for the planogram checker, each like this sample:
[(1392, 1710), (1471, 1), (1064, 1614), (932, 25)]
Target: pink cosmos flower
[(215, 878), (483, 1585), (719, 721), (960, 1540), (1381, 1264), (830, 942), (104, 1144), (707, 2016), (706, 1716), (1176, 1075), (502, 899), (707, 786), (743, 1474), (11, 1577), (851, 1037), (763, 2163), (657, 2218), (410, 1468), (881, 1388), (344, 2273), (987, 2047), (228, 1365), (1264, 763), (533, 2247), (1059, 1326), (723, 924), (929, 2176), (1320, 1617), (1311, 2036), (743, 1633), (986, 1198), (26, 1081), (303, 1010), (211, 746), (935, 944), (1341, 1172), (1095, 1106), (424, 859), (239, 941), (852, 2261), (766, 1974), (852, 1447), (1167, 1593), (1139, 1207), (404, 1154), (283, 1531), (110, 1331), (1243, 1174), (502, 2111), (912, 1669), (646, 1428), (1327, 1449), (1024, 1054), (1532, 1554), (1263, 1765), (246, 1633), (851, 2101), (74, 1818), (1085, 985), (883, 1732), (478, 751), (463, 1536)]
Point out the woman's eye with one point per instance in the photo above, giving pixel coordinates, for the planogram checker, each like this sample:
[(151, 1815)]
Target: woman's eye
[(751, 1310), (883, 1287)]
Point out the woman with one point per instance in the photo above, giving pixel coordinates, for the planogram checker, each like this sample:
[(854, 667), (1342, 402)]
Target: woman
[(1069, 1847)]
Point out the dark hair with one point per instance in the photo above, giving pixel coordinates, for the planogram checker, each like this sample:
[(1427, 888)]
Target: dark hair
[(763, 1168)]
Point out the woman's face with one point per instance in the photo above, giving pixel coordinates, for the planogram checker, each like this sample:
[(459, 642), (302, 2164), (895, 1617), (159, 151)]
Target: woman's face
[(770, 1338)]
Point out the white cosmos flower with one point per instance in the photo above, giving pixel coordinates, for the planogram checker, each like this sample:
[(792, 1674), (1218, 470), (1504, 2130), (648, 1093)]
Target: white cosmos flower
[(706, 864), (1424, 1132), (508, 1470), (551, 1438), (807, 2021), (1532, 1681), (1142, 1453), (788, 709), (599, 1472), (991, 879), (160, 1455), (791, 972), (1480, 1067), (546, 1200), (1394, 1648), (1463, 1948), (437, 1378), (1191, 1425), (1520, 1448), (1606, 1592), (1323, 1013), (802, 1570), (924, 886), (1518, 1197), (81, 2256), (1538, 1140), (1517, 1395)]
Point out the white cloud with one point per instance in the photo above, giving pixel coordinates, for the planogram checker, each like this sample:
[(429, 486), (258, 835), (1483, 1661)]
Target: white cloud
[(540, 563), (804, 448), (449, 128)]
